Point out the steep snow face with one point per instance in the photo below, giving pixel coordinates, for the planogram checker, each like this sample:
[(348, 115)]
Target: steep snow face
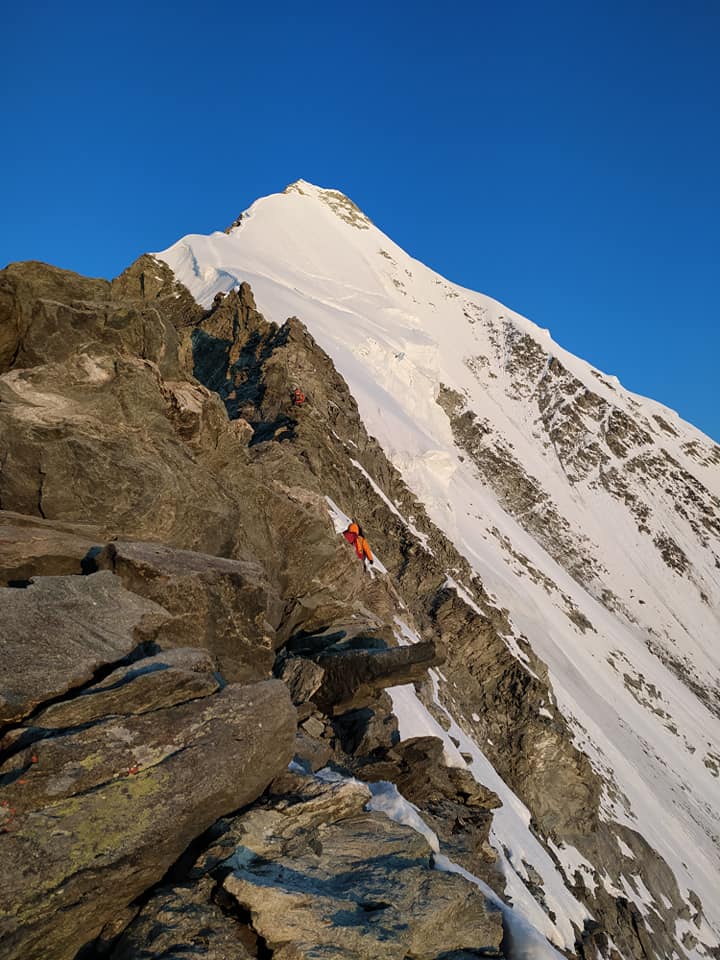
[(592, 514)]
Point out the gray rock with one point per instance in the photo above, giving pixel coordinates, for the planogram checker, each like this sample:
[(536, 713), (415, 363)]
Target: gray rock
[(25, 331), (102, 421), (183, 921), (48, 314), (226, 606), (313, 726), (55, 633), (310, 751), (303, 677), (323, 878), (105, 810), (164, 680), (353, 678)]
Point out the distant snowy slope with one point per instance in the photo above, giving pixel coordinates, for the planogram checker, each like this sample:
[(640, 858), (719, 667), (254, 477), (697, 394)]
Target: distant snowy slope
[(592, 514)]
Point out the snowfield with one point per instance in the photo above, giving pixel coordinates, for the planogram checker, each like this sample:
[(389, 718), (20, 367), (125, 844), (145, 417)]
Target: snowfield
[(637, 487)]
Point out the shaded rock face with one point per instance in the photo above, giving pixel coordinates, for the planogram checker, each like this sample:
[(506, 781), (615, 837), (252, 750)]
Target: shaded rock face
[(184, 920), (29, 546), (367, 732)]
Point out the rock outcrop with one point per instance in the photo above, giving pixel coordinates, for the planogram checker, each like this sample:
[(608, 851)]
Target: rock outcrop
[(109, 774), (184, 919), (225, 606), (30, 546), (59, 631), (310, 873)]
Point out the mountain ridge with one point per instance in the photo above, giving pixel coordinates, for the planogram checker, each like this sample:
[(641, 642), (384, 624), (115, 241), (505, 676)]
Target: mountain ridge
[(539, 468), (529, 663)]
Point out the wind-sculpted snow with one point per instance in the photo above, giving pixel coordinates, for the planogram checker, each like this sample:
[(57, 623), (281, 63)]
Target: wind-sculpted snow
[(591, 514)]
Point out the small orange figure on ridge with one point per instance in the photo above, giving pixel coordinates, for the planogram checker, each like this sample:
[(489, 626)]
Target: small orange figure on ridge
[(354, 535)]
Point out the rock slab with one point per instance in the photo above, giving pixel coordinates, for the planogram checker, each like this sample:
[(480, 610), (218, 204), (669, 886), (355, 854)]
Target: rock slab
[(226, 606), (324, 878), (94, 816), (55, 633)]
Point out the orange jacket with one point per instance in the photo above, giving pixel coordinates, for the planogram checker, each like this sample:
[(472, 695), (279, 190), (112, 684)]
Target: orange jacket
[(362, 547)]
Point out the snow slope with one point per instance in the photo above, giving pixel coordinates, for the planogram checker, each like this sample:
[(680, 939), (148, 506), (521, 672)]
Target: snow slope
[(590, 513)]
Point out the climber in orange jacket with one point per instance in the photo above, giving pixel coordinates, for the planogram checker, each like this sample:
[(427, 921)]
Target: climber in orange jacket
[(354, 535)]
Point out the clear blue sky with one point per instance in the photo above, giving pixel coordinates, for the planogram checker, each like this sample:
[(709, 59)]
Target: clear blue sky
[(561, 157)]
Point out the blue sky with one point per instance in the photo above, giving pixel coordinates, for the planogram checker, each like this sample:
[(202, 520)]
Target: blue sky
[(561, 157)]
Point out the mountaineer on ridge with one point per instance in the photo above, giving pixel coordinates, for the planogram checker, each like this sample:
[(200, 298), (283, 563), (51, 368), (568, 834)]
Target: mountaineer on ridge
[(354, 534)]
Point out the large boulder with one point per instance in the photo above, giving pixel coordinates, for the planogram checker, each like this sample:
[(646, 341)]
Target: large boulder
[(56, 633), (226, 606), (95, 814), (322, 877), (141, 686), (183, 921), (33, 547)]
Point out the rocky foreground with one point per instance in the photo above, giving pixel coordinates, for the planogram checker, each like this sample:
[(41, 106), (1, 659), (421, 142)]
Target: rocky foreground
[(186, 641)]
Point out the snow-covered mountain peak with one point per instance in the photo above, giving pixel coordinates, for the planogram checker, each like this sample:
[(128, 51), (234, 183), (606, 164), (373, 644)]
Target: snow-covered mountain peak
[(590, 513), (341, 205), (305, 188)]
